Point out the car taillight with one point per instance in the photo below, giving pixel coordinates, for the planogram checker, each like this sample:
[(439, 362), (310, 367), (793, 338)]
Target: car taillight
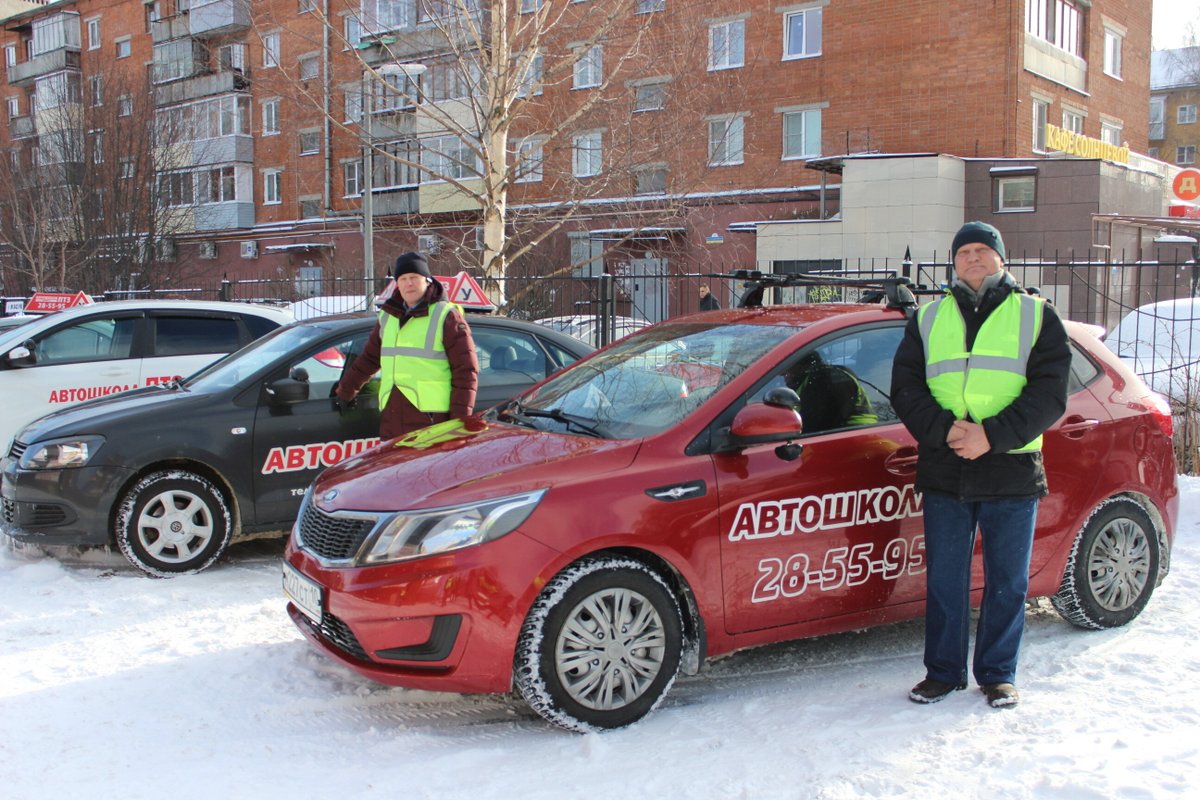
[(1160, 409)]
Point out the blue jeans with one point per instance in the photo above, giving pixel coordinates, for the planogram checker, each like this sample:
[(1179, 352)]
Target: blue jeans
[(950, 526)]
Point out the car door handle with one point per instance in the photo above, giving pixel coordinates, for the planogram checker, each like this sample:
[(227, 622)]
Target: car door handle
[(1076, 426), (902, 462)]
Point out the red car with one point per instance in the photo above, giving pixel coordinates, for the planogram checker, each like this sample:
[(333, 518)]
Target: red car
[(707, 484)]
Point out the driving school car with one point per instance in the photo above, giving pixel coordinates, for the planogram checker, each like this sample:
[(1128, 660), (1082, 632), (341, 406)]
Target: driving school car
[(173, 473), (707, 484)]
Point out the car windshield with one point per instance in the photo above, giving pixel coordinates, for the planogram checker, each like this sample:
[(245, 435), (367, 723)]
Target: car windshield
[(254, 357), (646, 383)]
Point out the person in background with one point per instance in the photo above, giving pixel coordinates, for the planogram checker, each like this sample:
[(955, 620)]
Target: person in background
[(422, 347), (979, 375), (707, 301)]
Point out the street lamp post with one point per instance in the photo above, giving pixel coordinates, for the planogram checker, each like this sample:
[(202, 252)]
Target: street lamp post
[(368, 187)]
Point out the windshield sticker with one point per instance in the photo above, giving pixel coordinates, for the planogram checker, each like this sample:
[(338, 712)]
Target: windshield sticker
[(772, 518), (313, 456)]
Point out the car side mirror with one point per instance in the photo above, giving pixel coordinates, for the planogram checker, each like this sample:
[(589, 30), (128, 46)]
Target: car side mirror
[(766, 423), (21, 356), (286, 392), (299, 374)]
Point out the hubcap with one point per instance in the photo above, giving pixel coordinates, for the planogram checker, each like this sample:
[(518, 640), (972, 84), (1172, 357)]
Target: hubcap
[(1119, 565), (175, 526), (610, 650)]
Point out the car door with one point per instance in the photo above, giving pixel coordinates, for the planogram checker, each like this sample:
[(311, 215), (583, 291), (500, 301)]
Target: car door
[(181, 342), (79, 360), (837, 530), (294, 442)]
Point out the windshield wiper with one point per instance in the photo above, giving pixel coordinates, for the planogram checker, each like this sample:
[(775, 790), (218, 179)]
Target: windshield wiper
[(557, 415), (176, 384), (514, 412)]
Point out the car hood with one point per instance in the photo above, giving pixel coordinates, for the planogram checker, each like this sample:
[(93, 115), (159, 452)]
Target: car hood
[(464, 461), (94, 416)]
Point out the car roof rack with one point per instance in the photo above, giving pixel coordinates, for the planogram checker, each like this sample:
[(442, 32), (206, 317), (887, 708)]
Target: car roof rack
[(899, 292)]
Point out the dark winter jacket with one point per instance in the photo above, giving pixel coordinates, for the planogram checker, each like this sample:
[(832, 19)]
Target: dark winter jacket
[(997, 474), (401, 416)]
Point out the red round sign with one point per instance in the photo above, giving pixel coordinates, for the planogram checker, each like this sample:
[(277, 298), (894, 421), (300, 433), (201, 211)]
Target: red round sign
[(1187, 184)]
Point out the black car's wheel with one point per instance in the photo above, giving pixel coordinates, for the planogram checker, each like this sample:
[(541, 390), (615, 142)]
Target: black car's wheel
[(1113, 567), (601, 645), (173, 522)]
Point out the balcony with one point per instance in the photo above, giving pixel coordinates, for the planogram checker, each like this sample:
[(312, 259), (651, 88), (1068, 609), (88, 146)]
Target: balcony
[(168, 28), (200, 86), (224, 216), (237, 148), (219, 17), (26, 72), (21, 127)]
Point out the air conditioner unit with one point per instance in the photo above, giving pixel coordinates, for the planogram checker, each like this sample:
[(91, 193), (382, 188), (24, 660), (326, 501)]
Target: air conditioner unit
[(428, 243), (208, 249), (249, 249)]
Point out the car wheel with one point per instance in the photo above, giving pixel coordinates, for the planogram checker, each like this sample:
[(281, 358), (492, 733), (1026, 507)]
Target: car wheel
[(601, 645), (1113, 567), (173, 522)]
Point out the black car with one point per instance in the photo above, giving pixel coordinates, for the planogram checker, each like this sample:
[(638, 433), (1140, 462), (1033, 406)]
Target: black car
[(172, 474)]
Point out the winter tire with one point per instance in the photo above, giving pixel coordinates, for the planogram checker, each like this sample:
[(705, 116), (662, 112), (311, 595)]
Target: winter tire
[(601, 645), (172, 523), (1113, 567)]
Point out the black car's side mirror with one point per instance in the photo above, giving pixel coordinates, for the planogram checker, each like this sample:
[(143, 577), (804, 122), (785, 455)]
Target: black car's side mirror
[(286, 392)]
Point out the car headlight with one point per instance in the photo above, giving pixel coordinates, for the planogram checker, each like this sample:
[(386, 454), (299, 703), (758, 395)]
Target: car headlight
[(423, 533), (61, 453)]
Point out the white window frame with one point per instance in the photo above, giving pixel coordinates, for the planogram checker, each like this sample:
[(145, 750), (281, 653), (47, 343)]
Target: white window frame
[(650, 96), (1021, 181), (1041, 116), (1113, 45), (1185, 154), (270, 117), (1072, 120), (94, 40), (645, 171), (306, 6), (96, 90), (804, 117), (810, 18), (1111, 133), (724, 55), (14, 106), (531, 84), (125, 106), (124, 46), (587, 154), (10, 55), (313, 134), (529, 157), (309, 64), (588, 70), (725, 134), (650, 6), (272, 186), (529, 6), (352, 178), (1185, 114), (270, 42)]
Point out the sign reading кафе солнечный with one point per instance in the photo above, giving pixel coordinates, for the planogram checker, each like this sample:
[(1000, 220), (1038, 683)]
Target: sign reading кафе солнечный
[(1076, 144)]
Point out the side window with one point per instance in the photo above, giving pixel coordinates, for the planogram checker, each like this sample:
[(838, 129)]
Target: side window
[(505, 356), (561, 357), (322, 368), (104, 339), (185, 336), (259, 326), (1083, 371), (843, 382)]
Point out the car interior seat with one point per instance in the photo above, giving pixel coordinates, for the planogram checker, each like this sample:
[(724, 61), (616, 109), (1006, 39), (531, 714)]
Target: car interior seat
[(504, 357)]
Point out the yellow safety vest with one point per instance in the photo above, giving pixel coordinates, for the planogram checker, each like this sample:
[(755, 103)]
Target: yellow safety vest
[(412, 358), (982, 382)]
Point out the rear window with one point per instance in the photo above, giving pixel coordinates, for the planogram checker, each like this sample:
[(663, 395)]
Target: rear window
[(182, 336), (259, 326)]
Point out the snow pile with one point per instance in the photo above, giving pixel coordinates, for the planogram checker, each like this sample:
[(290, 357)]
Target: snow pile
[(116, 685)]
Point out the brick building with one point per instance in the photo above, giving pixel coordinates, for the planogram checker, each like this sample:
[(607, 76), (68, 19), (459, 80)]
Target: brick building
[(658, 141), (1174, 97)]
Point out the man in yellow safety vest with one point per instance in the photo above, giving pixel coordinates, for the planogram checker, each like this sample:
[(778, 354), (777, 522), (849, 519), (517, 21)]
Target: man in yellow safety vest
[(980, 374)]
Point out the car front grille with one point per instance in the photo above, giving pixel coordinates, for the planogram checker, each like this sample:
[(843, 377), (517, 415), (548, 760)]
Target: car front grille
[(17, 450), (10, 511), (329, 537), (34, 515), (338, 633)]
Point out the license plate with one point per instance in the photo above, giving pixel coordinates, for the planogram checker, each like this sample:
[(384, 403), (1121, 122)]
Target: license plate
[(302, 591)]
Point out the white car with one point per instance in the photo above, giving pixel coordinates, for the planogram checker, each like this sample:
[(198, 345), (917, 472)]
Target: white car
[(586, 327), (99, 349), (1161, 341)]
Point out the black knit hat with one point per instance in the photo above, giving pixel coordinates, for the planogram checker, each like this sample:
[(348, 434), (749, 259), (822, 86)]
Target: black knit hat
[(410, 263), (978, 233)]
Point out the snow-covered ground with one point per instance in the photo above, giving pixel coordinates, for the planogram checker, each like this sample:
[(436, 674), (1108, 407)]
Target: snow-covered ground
[(113, 685)]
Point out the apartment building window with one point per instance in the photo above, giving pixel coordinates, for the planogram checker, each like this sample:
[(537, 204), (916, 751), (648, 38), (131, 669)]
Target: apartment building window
[(1185, 115), (54, 33), (57, 90), (444, 80), (530, 155), (352, 178), (93, 33), (271, 183), (310, 142), (96, 89), (650, 6), (124, 106), (218, 185), (1072, 121), (309, 67), (1016, 193), (153, 15), (174, 60), (449, 157), (352, 30), (1041, 114), (352, 102), (1058, 22), (398, 166), (380, 16), (97, 140), (725, 138), (232, 57), (124, 47), (270, 117), (305, 6), (1113, 42), (10, 55), (650, 179), (1158, 115), (529, 6), (589, 67), (531, 81), (587, 154), (14, 106), (177, 188), (310, 207), (802, 133), (270, 49), (650, 97), (1185, 154), (1110, 133), (1152, 152), (727, 44), (126, 169), (802, 34)]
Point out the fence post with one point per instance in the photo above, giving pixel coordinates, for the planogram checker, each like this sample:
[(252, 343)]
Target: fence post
[(606, 311), (226, 291)]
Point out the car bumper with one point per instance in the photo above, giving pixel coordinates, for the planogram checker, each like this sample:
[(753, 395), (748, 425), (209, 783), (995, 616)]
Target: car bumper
[(53, 507), (443, 623)]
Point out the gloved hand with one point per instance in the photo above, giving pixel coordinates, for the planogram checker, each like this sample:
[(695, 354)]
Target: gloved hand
[(339, 405)]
